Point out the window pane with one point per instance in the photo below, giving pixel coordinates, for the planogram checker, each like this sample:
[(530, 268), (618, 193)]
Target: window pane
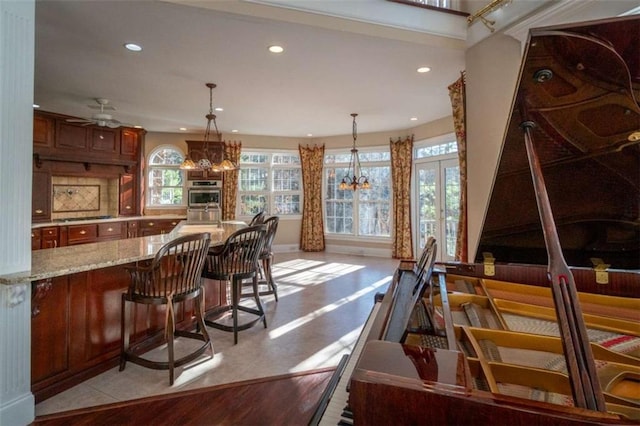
[(287, 204), (286, 159), (253, 179), (166, 156), (253, 204), (247, 158), (165, 196), (435, 150), (286, 180)]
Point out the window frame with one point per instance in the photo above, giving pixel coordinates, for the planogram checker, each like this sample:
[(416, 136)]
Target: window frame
[(150, 167), (270, 193), (346, 152)]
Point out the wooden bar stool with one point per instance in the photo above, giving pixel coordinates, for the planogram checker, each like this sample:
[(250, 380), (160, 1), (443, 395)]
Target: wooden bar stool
[(235, 262), (173, 276)]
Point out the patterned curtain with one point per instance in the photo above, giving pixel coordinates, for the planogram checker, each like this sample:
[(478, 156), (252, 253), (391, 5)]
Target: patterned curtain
[(230, 180), (312, 231), (401, 160), (458, 96)]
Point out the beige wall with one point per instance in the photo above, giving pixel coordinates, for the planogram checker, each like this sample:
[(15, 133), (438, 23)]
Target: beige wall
[(289, 229)]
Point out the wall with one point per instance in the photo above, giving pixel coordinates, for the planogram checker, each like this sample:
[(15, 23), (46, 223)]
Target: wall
[(288, 236)]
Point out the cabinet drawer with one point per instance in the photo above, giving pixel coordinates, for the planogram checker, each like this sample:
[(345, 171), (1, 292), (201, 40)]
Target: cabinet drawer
[(82, 233), (111, 229), (50, 232)]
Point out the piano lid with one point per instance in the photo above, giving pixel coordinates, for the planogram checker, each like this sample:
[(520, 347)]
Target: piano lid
[(580, 85)]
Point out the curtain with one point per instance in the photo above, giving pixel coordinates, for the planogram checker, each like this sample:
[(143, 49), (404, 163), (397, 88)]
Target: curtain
[(401, 161), (230, 180), (312, 230), (457, 93)]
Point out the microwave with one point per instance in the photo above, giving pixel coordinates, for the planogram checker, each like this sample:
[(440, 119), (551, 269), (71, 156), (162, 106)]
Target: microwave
[(205, 193)]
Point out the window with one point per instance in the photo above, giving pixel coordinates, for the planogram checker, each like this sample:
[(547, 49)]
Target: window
[(165, 179), (270, 182), (363, 213)]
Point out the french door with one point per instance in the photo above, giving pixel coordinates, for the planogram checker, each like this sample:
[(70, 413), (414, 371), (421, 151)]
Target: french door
[(437, 205)]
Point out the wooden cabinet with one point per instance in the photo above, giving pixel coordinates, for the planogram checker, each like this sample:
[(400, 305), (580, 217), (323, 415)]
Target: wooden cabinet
[(41, 196), (130, 141), (216, 152), (112, 231), (50, 237), (43, 131), (82, 234), (132, 229), (71, 137), (36, 239), (156, 227), (105, 141), (127, 203)]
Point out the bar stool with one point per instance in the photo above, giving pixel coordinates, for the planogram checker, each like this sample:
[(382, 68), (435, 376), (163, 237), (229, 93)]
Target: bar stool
[(235, 262), (266, 257), (258, 219), (173, 276)]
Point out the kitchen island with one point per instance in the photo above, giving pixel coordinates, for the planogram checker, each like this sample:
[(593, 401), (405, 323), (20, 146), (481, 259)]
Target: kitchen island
[(76, 304)]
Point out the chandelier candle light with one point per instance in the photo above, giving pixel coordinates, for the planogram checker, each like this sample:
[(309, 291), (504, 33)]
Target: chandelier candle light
[(205, 163), (352, 180)]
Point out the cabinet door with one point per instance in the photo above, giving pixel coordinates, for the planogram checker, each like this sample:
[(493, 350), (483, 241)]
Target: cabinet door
[(104, 140), (132, 229), (43, 131), (81, 234), (49, 237), (71, 137), (41, 196), (127, 197), (130, 144), (35, 239)]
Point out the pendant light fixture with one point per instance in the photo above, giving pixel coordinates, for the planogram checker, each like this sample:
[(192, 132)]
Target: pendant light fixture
[(352, 180), (206, 160)]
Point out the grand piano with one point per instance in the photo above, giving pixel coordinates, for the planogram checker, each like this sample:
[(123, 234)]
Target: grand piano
[(544, 327)]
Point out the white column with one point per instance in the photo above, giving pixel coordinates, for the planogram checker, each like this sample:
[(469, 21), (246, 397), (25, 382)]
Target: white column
[(17, 38)]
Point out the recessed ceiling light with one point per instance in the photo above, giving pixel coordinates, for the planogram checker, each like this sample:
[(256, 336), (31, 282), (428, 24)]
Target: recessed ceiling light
[(184, 129), (234, 131), (219, 109), (422, 70), (133, 47), (36, 106), (309, 134), (276, 49), (414, 119), (137, 127)]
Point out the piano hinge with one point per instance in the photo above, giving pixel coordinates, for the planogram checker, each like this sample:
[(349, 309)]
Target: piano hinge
[(489, 264), (600, 268)]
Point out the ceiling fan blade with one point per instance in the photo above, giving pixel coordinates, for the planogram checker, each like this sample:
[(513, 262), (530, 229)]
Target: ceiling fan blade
[(78, 120), (113, 124)]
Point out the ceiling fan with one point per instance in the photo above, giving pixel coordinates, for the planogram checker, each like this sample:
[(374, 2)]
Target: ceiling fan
[(101, 118)]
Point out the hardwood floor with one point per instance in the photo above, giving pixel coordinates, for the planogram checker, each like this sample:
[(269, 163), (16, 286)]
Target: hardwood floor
[(283, 400)]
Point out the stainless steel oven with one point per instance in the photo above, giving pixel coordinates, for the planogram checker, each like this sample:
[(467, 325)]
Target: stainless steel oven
[(203, 193)]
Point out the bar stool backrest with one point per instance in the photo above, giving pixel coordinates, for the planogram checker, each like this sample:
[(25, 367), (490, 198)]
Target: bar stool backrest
[(239, 255), (258, 219), (174, 272), (272, 226)]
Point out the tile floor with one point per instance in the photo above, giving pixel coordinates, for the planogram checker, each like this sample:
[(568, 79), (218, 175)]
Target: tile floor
[(324, 299)]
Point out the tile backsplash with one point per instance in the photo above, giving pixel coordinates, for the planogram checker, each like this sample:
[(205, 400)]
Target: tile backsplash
[(78, 197)]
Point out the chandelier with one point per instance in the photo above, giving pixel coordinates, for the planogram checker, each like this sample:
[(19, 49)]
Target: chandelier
[(352, 180), (206, 161)]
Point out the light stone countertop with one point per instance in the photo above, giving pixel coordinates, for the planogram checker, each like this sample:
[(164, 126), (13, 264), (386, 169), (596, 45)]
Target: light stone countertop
[(81, 221), (55, 262)]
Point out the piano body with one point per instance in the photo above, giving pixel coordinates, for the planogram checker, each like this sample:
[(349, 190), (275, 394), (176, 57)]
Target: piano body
[(484, 343)]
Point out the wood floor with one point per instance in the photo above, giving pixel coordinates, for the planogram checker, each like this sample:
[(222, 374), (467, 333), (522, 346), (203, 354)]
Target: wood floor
[(282, 400)]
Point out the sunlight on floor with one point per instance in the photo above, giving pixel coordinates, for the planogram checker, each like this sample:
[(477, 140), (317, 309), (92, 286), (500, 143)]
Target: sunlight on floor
[(329, 355), (274, 334)]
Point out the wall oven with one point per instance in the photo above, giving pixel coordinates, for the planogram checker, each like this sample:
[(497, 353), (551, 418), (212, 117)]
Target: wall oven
[(203, 193)]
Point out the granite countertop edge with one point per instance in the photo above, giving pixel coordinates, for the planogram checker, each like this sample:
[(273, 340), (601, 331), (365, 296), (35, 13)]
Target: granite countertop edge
[(60, 261)]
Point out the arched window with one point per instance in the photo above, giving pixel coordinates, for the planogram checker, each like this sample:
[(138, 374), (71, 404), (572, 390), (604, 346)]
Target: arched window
[(165, 179)]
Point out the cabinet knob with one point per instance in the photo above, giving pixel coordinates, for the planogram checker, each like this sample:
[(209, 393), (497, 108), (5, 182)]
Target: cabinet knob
[(150, 224), (33, 235), (38, 211), (50, 232), (83, 232), (110, 229)]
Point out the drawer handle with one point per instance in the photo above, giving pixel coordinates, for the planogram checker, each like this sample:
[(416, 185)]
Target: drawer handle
[(150, 223), (50, 232), (174, 223), (110, 229), (38, 211), (128, 208), (83, 232), (33, 235)]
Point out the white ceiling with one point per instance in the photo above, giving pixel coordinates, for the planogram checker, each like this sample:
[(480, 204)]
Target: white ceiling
[(331, 66)]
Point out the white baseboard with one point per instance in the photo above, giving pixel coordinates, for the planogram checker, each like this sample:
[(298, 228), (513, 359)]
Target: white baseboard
[(358, 251)]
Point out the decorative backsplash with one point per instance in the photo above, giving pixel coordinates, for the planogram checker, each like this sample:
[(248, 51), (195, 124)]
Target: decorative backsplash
[(78, 197)]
